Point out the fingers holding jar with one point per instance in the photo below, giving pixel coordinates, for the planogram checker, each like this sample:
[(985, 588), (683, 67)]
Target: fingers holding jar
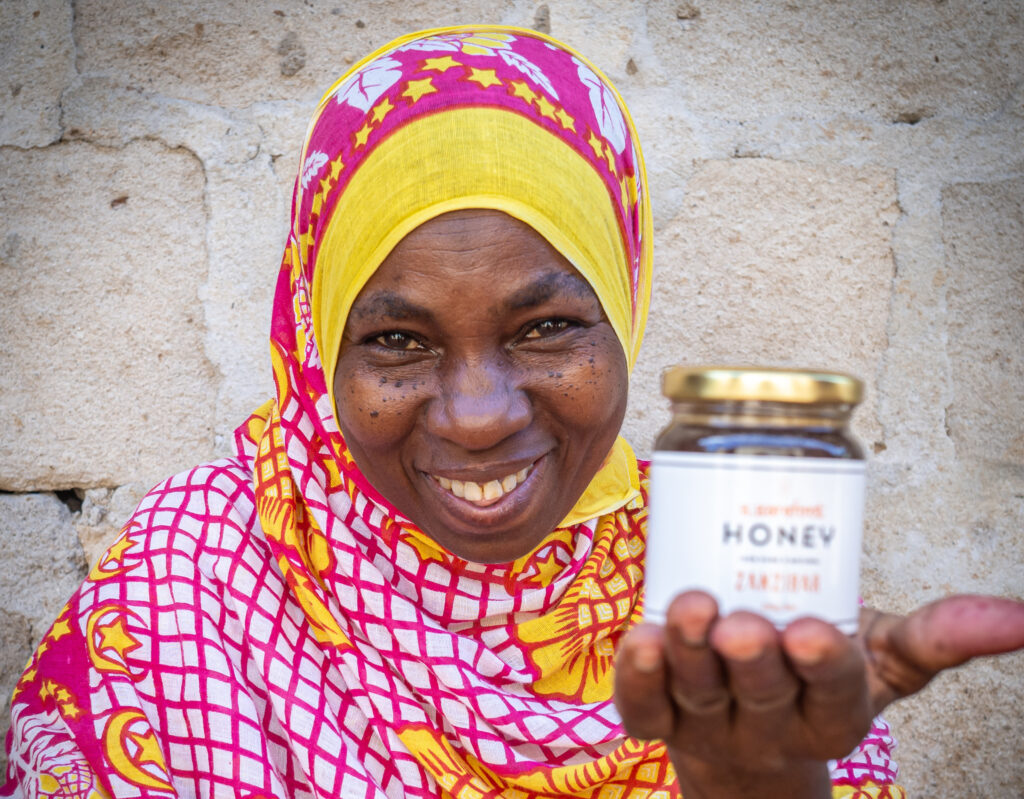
[(734, 696)]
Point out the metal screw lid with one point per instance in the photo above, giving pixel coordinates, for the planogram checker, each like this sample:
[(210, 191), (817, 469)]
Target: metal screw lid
[(764, 384)]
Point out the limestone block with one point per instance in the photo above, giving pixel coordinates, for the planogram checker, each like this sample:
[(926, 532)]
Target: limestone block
[(282, 126), (902, 62), (983, 230), (37, 63), (238, 52), (771, 263), (928, 155), (43, 561), (42, 566), (246, 156), (105, 379)]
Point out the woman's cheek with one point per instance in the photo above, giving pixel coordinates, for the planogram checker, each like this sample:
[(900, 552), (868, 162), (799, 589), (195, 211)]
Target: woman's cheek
[(386, 408), (596, 376), (367, 404)]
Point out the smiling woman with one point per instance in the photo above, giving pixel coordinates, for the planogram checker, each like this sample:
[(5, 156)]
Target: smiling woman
[(415, 573)]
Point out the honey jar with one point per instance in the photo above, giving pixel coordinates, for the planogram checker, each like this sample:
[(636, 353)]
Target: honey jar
[(757, 494)]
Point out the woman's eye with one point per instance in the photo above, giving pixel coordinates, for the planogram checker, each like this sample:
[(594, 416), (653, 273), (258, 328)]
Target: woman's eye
[(548, 327), (396, 340)]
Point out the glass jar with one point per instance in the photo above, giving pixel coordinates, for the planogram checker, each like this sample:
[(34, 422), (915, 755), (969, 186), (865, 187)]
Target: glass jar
[(757, 493)]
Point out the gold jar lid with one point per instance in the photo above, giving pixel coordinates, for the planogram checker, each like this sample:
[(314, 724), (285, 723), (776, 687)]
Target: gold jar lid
[(764, 384)]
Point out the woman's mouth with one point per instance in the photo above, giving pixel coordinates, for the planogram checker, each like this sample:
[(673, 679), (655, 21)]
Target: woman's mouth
[(483, 494)]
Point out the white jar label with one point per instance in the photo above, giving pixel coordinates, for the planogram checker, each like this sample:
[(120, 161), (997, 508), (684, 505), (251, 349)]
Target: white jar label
[(776, 535)]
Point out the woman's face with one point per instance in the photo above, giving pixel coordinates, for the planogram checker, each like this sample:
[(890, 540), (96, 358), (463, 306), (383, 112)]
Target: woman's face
[(479, 385)]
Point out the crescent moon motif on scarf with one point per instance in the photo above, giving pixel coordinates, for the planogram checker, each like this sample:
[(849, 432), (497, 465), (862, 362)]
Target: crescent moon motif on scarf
[(113, 561), (110, 641), (132, 748)]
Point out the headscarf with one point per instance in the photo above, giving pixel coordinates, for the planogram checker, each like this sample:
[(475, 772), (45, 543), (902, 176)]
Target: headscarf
[(268, 625), (458, 118)]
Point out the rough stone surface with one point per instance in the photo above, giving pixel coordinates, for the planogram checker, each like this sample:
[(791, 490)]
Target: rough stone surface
[(749, 272), (902, 62), (36, 62), (838, 184), (105, 379), (237, 52), (250, 159), (16, 642), (949, 752), (984, 235), (244, 256), (102, 515), (42, 565)]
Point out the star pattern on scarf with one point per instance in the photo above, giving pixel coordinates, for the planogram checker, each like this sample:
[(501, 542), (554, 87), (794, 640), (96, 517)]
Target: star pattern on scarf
[(442, 64), (115, 636), (485, 77), (415, 89)]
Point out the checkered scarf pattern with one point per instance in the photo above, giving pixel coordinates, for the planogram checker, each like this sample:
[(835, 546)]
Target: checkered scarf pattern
[(268, 626)]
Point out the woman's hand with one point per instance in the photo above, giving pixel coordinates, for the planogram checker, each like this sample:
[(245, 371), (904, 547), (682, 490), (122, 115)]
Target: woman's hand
[(748, 711)]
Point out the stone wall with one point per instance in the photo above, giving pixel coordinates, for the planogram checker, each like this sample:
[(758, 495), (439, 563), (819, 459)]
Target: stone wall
[(834, 184)]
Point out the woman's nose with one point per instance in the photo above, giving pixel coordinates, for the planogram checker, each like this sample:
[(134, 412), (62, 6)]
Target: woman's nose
[(479, 406)]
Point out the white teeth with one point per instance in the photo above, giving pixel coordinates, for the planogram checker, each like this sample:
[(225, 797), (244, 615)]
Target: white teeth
[(487, 492)]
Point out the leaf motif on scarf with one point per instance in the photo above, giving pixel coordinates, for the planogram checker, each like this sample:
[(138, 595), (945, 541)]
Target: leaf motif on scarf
[(528, 68), (75, 779), (364, 88), (606, 107), (478, 44), (486, 43), (312, 166)]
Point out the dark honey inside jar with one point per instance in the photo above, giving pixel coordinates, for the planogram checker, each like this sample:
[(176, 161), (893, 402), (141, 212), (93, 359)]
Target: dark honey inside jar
[(762, 411)]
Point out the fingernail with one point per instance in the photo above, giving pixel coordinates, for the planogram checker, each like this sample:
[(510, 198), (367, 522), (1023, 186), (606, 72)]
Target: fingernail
[(746, 651), (647, 659), (809, 656), (693, 634)]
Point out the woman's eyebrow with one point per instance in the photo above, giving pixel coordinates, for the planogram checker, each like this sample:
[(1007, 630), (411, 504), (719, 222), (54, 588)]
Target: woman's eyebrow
[(546, 287), (388, 305)]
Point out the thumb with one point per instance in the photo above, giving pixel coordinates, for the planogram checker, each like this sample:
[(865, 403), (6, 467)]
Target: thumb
[(905, 653), (951, 631)]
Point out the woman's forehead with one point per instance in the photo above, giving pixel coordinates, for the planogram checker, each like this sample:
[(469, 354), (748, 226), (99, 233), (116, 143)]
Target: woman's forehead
[(455, 244), (471, 229), (520, 267)]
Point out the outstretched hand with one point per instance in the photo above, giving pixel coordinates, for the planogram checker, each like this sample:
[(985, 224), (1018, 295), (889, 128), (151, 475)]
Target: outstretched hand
[(747, 710)]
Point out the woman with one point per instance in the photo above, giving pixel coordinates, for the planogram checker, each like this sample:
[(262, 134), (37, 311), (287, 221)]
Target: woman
[(413, 576)]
